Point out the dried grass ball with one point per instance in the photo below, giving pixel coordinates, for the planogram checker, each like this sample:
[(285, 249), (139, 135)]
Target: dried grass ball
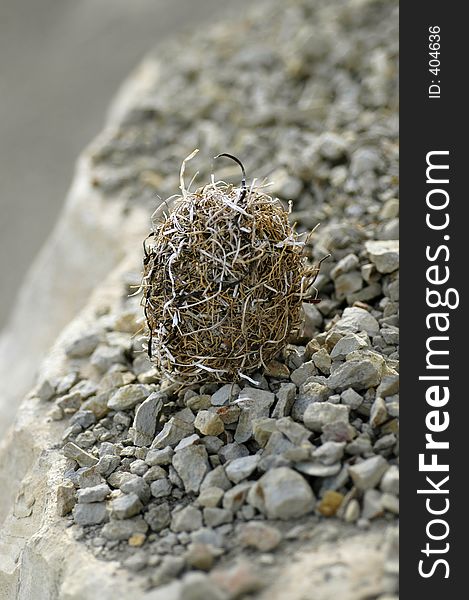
[(224, 281)]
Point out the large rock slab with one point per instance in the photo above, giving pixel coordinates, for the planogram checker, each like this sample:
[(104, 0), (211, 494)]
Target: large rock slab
[(39, 557), (65, 271), (152, 124)]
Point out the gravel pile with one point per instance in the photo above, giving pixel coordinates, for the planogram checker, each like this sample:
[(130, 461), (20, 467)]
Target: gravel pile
[(178, 481)]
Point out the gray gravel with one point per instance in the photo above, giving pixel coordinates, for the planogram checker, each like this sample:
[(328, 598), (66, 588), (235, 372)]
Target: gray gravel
[(223, 466)]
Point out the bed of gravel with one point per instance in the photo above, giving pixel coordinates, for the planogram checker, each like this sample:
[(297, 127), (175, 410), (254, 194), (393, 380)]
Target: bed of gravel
[(173, 480)]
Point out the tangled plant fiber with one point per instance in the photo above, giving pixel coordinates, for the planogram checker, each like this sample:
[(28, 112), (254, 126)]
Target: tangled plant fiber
[(224, 280)]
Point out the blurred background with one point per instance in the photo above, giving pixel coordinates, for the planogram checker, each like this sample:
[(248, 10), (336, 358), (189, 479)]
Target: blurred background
[(61, 62)]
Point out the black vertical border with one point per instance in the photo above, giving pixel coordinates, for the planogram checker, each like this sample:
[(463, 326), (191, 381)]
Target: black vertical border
[(426, 125)]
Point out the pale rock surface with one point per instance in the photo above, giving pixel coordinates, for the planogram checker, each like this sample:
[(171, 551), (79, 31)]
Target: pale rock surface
[(66, 271), (40, 559)]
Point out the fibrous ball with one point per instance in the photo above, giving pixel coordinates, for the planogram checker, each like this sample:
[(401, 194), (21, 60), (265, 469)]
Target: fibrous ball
[(224, 280)]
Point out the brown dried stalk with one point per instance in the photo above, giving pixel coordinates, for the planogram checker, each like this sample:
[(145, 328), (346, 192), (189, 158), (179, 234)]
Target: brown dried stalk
[(224, 280)]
